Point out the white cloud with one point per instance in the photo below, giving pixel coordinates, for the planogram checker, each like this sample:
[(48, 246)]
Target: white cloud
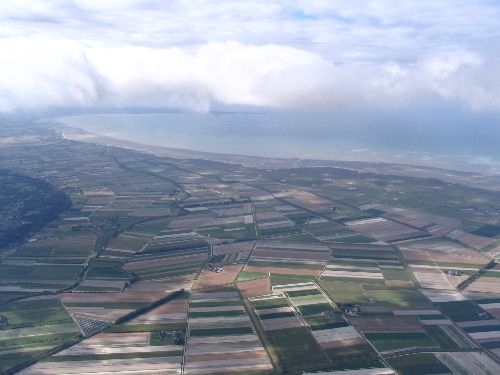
[(287, 53), (338, 30), (38, 72)]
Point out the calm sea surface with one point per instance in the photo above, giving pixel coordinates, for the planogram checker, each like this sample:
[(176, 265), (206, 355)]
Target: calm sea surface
[(463, 141)]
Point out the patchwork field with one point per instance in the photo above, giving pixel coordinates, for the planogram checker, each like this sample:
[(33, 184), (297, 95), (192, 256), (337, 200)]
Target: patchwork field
[(177, 265), (385, 230), (151, 342), (32, 327), (297, 259), (221, 336)]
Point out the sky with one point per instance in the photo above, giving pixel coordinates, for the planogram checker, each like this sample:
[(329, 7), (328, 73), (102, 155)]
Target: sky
[(196, 54)]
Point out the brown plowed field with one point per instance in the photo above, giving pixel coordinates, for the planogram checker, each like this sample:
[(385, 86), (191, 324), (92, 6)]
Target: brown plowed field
[(253, 288), (209, 279)]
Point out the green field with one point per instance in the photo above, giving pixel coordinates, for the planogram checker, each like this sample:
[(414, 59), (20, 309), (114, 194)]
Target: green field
[(418, 364), (385, 341), (297, 350)]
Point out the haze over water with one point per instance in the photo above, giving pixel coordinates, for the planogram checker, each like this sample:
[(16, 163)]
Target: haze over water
[(460, 140)]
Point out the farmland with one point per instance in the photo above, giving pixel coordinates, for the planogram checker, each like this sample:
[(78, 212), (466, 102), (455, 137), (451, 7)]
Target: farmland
[(151, 342), (221, 336), (160, 264)]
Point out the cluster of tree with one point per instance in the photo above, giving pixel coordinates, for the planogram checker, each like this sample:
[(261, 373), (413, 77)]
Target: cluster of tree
[(26, 205)]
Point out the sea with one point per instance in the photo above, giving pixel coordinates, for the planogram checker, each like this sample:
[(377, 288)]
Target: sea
[(455, 139)]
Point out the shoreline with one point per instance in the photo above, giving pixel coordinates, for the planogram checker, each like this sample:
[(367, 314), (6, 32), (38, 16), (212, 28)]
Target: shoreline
[(466, 178), (210, 135), (82, 135)]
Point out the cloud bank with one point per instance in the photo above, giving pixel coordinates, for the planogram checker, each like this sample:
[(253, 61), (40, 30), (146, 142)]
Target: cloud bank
[(40, 72), (283, 54)]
